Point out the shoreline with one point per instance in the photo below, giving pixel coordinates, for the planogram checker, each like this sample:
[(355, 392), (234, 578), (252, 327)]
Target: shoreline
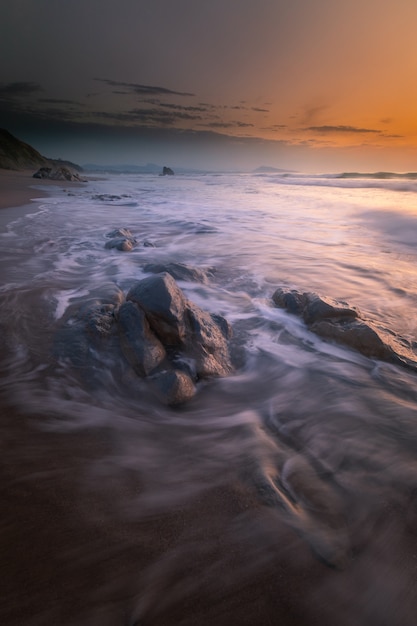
[(18, 188), (20, 193)]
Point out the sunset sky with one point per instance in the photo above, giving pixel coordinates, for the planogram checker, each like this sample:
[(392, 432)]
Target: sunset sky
[(316, 85)]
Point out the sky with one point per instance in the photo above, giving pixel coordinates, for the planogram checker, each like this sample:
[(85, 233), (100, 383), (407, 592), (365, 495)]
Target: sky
[(311, 85)]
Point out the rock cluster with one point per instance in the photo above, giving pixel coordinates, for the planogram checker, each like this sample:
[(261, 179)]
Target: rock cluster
[(163, 336), (336, 321), (59, 173)]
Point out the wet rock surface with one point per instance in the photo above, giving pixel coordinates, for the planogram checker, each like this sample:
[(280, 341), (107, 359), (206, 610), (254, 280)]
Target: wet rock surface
[(121, 239), (157, 331), (336, 321)]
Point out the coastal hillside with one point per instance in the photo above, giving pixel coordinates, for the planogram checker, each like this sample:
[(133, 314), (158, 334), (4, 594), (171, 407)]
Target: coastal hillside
[(18, 155)]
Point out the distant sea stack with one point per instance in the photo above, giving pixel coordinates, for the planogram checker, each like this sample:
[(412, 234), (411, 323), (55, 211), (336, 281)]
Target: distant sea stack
[(167, 171), (18, 155)]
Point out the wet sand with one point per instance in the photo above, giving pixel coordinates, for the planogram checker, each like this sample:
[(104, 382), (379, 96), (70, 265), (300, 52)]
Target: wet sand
[(75, 551), (17, 188)]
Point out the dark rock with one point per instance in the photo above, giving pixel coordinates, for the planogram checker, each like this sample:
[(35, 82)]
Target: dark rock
[(356, 335), (121, 243), (336, 321), (141, 348), (167, 171), (317, 308), (206, 343), (120, 232), (59, 173), (292, 301), (173, 387), (179, 271), (201, 338), (121, 239), (164, 304)]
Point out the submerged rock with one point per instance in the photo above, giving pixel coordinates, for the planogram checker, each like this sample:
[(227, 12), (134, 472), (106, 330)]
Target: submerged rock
[(173, 387), (180, 324), (179, 271), (164, 304), (157, 332), (338, 322), (141, 347), (121, 239)]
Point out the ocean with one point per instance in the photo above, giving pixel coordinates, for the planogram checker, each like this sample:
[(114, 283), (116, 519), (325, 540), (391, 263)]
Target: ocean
[(335, 432)]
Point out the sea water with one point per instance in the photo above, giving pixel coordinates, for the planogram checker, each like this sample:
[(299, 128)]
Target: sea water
[(294, 399)]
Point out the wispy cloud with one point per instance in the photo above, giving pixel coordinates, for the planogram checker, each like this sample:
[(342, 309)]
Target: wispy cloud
[(233, 124), (59, 101), (341, 129), (18, 90), (137, 88)]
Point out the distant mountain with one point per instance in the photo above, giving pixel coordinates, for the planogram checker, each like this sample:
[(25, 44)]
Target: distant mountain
[(149, 168), (18, 155), (266, 169)]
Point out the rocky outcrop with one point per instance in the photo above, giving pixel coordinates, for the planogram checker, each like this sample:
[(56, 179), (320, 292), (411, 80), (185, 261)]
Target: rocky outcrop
[(336, 321), (156, 331), (59, 173), (179, 271), (167, 171), (121, 239), (180, 324)]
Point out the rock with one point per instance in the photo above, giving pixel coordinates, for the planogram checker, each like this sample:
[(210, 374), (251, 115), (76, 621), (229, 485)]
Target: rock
[(120, 232), (164, 305), (356, 335), (335, 321), (206, 342), (141, 348), (121, 239), (167, 171), (59, 173), (179, 271), (124, 244), (173, 387), (180, 324)]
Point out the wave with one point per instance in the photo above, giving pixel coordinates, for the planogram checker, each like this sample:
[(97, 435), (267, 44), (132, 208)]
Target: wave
[(379, 175)]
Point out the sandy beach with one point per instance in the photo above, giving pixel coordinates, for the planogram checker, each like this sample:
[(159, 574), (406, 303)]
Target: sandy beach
[(117, 510), (17, 188)]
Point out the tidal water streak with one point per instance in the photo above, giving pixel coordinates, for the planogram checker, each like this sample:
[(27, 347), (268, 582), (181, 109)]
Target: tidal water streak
[(313, 447)]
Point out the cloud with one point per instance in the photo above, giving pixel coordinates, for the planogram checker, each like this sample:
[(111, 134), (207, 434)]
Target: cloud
[(235, 124), (153, 117), (341, 129), (143, 89), (260, 110), (58, 101), (18, 90)]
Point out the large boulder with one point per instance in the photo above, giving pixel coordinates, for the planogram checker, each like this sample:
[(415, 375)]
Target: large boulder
[(336, 321), (182, 326), (179, 271), (164, 304), (121, 239), (141, 347), (59, 173), (173, 387), (206, 342)]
